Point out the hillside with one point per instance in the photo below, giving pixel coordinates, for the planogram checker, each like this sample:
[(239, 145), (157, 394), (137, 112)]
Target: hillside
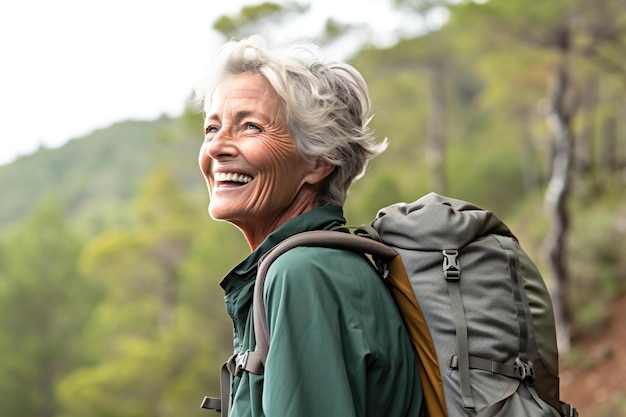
[(592, 375), (96, 176)]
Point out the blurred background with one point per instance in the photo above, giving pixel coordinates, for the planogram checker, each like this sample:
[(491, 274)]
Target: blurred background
[(110, 266)]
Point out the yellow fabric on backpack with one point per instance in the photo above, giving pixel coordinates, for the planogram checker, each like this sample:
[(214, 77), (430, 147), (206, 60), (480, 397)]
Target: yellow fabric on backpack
[(421, 339)]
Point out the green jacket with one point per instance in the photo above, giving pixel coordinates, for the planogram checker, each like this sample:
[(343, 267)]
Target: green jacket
[(338, 346)]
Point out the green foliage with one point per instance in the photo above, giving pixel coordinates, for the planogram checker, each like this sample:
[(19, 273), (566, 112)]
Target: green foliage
[(597, 261), (252, 18), (472, 176), (165, 375), (45, 303), (228, 25)]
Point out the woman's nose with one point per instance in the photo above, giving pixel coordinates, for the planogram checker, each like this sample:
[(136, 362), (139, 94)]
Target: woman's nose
[(221, 144)]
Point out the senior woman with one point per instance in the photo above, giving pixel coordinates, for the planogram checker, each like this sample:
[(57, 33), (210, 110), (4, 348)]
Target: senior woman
[(286, 133)]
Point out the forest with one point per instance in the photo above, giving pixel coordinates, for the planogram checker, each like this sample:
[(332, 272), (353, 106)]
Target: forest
[(110, 304)]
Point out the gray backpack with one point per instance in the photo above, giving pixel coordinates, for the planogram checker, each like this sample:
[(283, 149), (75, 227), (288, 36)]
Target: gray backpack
[(475, 306)]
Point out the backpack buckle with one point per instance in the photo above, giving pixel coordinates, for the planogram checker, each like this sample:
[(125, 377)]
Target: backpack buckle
[(211, 403), (237, 363), (523, 369), (451, 266), (569, 410)]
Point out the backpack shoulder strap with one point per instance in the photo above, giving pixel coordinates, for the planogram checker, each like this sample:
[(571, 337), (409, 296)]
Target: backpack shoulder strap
[(316, 238)]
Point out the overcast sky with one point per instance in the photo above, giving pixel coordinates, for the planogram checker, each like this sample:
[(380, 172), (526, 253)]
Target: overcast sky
[(72, 66)]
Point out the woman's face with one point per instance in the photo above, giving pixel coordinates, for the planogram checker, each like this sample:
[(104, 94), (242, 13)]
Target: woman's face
[(255, 177)]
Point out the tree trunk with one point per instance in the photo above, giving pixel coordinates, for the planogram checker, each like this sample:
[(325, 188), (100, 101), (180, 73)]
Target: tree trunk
[(559, 123), (436, 126)]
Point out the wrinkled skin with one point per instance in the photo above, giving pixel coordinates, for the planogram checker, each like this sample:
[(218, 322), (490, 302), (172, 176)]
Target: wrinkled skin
[(246, 134)]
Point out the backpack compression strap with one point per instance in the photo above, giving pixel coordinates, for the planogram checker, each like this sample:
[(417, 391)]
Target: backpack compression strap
[(452, 273), (523, 368)]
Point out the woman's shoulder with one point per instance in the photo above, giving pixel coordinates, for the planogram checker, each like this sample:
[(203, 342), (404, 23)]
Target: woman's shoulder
[(302, 256), (336, 267)]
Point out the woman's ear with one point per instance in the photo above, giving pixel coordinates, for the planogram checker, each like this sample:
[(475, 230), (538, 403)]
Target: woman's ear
[(318, 172)]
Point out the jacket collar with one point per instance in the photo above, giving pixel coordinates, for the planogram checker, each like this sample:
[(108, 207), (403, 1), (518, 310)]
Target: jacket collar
[(320, 218)]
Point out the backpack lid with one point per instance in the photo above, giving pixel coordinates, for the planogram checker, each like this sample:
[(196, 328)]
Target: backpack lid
[(453, 226)]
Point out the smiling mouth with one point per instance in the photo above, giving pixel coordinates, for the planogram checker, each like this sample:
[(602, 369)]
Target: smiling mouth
[(231, 178)]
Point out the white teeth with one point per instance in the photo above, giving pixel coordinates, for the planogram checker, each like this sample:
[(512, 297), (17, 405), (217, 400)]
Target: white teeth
[(232, 177)]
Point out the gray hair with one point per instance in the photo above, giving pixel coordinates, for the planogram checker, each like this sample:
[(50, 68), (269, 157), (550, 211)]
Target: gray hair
[(327, 106)]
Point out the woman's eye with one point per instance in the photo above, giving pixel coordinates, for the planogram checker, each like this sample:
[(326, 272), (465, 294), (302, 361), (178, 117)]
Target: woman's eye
[(210, 130), (252, 126)]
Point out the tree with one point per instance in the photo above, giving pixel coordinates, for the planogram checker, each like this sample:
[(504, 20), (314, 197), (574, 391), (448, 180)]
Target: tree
[(45, 303)]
